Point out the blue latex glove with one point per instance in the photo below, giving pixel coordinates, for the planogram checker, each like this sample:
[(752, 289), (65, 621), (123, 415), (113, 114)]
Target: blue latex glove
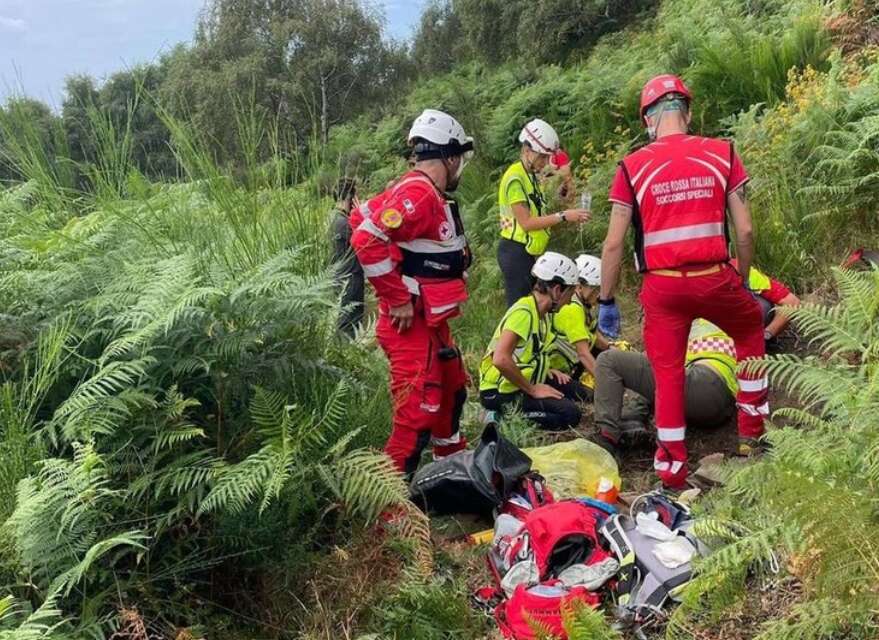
[(609, 318)]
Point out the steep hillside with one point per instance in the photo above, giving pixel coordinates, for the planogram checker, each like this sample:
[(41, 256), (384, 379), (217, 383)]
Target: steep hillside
[(187, 447)]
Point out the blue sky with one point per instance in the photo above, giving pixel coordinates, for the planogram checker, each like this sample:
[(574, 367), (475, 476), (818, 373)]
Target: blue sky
[(44, 41)]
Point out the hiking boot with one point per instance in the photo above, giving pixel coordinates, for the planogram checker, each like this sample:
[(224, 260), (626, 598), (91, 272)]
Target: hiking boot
[(608, 443), (633, 431)]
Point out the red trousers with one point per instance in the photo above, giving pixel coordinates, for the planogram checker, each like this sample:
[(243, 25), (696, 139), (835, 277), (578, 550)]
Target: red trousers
[(428, 390), (670, 306)]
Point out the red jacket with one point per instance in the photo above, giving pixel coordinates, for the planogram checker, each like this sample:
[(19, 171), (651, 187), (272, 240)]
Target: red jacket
[(410, 241), (677, 187)]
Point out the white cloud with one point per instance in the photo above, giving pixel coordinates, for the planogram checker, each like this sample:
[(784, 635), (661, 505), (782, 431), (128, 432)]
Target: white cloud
[(12, 24)]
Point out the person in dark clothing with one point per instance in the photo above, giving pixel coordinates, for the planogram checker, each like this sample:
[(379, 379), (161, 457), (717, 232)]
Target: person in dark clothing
[(348, 269)]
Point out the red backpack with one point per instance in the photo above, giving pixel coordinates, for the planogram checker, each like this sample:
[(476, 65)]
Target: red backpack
[(529, 494), (554, 537), (530, 612)]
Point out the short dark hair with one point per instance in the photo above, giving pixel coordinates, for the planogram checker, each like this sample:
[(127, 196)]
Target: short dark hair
[(346, 188), (542, 286)]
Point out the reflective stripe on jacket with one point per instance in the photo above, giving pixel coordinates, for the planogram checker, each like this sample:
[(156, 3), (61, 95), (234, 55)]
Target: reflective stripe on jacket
[(680, 185), (517, 180)]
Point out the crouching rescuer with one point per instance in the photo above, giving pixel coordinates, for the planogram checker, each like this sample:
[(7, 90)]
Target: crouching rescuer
[(516, 367), (410, 241), (576, 327)]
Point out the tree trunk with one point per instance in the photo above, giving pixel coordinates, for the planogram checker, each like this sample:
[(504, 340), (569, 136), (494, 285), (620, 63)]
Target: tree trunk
[(324, 117)]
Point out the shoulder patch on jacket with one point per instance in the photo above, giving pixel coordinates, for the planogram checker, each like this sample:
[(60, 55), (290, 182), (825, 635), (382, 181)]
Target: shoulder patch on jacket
[(391, 218)]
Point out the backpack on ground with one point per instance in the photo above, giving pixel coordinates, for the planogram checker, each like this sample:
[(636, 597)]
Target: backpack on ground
[(538, 609), (553, 556), (475, 481), (529, 493), (650, 574)]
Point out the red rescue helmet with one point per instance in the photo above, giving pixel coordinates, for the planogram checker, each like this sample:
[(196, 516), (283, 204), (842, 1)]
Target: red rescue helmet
[(662, 86)]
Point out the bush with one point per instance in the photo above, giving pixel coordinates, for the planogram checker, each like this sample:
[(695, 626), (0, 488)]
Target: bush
[(810, 501)]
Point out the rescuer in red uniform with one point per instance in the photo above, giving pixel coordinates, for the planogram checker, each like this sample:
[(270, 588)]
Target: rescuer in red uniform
[(675, 192), (410, 241)]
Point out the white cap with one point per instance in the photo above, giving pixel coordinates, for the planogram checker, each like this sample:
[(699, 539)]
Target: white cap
[(541, 137), (555, 267)]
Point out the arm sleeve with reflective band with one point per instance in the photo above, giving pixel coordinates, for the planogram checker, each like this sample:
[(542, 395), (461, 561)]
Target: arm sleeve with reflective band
[(571, 321), (516, 192), (395, 222), (737, 174), (519, 322), (620, 190)]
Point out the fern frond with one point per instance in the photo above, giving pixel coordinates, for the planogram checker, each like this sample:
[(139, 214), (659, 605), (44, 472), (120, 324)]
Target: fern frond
[(582, 622), (367, 482), (67, 581)]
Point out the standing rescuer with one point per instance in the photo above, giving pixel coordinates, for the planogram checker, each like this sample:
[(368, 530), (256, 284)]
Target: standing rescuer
[(350, 273), (410, 241), (525, 224), (675, 191)]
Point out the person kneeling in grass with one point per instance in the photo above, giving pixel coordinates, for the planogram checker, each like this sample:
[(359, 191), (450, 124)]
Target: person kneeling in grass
[(515, 369), (710, 391), (576, 327)]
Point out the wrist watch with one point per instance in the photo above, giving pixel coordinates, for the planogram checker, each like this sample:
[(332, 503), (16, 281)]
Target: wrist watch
[(767, 335), (561, 215)]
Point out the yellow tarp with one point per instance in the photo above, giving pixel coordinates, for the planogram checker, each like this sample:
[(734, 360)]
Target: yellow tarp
[(574, 468)]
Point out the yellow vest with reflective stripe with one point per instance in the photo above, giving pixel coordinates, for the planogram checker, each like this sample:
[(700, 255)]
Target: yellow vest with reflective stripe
[(709, 345), (564, 356), (530, 354), (535, 241)]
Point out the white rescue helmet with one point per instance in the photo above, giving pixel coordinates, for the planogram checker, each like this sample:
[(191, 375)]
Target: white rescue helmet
[(555, 268), (589, 270), (441, 129), (540, 137)]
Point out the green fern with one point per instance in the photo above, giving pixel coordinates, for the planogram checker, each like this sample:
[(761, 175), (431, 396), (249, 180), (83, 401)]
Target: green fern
[(583, 622), (812, 500)]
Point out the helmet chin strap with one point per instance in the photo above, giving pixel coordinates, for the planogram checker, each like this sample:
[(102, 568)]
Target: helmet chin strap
[(453, 179)]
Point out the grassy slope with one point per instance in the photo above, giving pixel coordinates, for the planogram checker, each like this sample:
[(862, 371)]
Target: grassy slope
[(191, 289)]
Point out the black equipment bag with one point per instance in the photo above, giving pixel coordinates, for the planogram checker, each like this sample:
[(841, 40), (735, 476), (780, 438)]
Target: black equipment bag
[(474, 481)]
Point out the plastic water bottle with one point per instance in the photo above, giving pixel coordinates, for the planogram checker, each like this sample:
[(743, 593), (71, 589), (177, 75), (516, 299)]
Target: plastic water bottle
[(586, 201)]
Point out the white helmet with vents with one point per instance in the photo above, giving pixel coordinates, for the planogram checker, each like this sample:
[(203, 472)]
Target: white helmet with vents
[(441, 129), (540, 137), (589, 269), (556, 268)]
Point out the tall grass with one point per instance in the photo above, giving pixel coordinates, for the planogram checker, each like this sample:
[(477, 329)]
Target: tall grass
[(178, 374)]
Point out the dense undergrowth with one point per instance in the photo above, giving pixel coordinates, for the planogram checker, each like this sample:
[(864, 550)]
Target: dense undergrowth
[(187, 448)]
